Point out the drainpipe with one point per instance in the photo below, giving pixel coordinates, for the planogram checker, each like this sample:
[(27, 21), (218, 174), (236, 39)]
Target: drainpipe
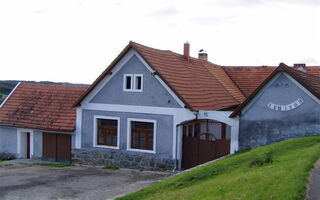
[(176, 159)]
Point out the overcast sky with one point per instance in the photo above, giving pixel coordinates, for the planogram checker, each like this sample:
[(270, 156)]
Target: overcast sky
[(75, 40)]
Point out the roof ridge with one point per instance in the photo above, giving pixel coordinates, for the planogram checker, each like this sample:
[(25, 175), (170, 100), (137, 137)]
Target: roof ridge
[(54, 85), (166, 51), (136, 43), (247, 66)]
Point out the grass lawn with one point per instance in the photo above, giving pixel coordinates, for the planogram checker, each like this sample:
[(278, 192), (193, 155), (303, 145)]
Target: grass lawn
[(284, 176), (2, 160), (57, 164)]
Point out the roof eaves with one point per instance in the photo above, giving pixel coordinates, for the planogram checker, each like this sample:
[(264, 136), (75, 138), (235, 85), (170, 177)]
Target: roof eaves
[(35, 128), (103, 74)]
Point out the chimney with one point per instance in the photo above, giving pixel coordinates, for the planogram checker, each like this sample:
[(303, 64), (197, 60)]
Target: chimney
[(203, 55), (186, 50), (300, 67)]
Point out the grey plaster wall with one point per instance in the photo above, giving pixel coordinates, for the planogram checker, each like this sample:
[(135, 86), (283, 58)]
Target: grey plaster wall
[(37, 144), (8, 140), (164, 140), (153, 94), (259, 125)]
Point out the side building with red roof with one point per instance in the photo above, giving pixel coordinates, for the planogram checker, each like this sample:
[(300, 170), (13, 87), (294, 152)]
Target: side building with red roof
[(38, 121)]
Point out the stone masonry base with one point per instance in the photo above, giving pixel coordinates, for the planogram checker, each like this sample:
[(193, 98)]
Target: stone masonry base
[(123, 159)]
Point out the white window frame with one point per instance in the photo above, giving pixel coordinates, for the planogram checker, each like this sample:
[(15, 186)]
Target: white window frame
[(125, 82), (129, 120), (95, 131), (133, 82)]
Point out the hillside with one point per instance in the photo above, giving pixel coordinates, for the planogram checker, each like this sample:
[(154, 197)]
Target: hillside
[(277, 171), (7, 85)]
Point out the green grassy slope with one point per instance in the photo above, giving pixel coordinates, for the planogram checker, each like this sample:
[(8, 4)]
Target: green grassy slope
[(237, 178)]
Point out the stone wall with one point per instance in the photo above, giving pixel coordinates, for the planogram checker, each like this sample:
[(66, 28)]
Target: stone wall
[(122, 159)]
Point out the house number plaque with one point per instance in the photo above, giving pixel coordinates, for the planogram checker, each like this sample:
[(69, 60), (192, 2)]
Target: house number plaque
[(287, 107)]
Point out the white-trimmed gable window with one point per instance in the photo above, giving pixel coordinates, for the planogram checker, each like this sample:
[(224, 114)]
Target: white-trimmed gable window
[(133, 82)]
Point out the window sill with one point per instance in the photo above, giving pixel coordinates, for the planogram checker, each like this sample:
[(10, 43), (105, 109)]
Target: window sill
[(133, 90), (141, 150), (105, 146)]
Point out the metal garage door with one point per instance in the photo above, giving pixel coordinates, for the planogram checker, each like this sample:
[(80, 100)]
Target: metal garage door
[(56, 147)]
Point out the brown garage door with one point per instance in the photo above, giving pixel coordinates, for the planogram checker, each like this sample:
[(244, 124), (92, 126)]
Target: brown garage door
[(199, 150), (56, 147)]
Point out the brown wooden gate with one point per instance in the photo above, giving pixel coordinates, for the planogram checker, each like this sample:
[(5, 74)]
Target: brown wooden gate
[(199, 150), (56, 147)]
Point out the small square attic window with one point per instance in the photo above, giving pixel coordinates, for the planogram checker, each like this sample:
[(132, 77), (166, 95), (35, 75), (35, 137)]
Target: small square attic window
[(133, 82)]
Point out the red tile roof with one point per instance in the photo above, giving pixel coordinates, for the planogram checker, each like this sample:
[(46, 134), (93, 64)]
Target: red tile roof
[(313, 70), (201, 85), (249, 78), (218, 73), (192, 81), (310, 82), (42, 107)]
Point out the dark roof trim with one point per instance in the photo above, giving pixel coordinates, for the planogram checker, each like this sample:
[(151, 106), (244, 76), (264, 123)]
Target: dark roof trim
[(107, 71), (12, 91), (104, 73), (281, 68)]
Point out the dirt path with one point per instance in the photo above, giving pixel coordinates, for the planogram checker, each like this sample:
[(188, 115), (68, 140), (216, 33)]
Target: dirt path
[(21, 181), (314, 183)]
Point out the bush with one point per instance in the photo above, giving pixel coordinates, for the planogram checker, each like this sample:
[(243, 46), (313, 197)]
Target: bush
[(260, 160), (7, 156), (112, 167)]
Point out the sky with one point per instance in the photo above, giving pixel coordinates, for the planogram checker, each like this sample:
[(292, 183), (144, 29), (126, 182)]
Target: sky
[(75, 40)]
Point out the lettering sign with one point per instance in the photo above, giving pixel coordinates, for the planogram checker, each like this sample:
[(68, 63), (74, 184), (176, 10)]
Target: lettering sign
[(287, 107)]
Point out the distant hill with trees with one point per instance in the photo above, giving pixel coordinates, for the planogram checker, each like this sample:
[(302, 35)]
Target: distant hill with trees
[(7, 85)]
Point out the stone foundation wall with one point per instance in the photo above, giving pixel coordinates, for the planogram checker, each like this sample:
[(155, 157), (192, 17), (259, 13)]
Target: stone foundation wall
[(123, 159)]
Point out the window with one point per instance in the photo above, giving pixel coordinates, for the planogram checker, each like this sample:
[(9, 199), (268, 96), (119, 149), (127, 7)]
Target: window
[(196, 130), (191, 130), (128, 82), (137, 81), (133, 82), (141, 135), (106, 132)]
